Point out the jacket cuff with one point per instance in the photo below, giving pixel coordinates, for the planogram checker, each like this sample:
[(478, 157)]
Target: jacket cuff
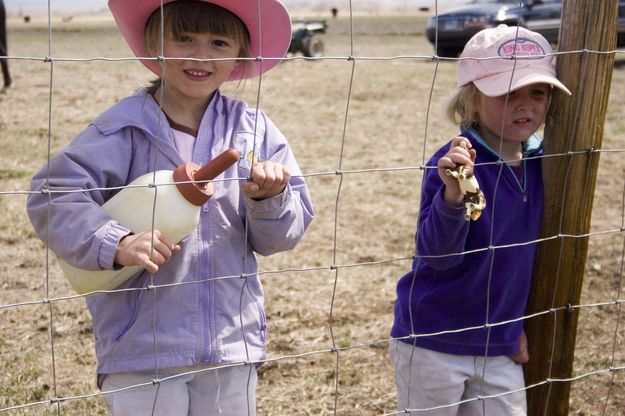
[(270, 207), (106, 256), (445, 210)]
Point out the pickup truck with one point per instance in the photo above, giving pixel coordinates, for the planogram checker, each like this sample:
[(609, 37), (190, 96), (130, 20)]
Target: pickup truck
[(451, 30)]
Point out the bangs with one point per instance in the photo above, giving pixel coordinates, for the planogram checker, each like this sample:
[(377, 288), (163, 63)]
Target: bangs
[(192, 16), (202, 17)]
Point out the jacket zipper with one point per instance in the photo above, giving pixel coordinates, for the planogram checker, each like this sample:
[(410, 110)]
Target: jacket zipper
[(208, 352), (522, 186)]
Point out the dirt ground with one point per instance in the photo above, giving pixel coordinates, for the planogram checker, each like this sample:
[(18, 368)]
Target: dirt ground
[(325, 323)]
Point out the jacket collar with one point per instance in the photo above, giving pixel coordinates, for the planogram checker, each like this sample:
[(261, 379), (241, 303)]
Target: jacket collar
[(141, 111)]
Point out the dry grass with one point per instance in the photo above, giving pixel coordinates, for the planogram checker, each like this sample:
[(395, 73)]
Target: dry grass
[(362, 218)]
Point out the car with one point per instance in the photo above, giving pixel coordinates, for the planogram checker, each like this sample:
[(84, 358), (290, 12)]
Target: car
[(306, 39), (451, 30)]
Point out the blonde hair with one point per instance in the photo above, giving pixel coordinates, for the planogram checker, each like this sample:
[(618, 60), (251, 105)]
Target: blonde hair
[(463, 106), (194, 16)]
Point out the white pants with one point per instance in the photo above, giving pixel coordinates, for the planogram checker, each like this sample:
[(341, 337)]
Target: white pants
[(426, 379), (224, 392)]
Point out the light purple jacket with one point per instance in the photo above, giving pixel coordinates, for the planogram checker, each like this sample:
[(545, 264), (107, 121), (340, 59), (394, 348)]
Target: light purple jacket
[(219, 320)]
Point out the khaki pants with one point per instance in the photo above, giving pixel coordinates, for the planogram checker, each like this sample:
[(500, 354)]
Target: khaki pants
[(432, 380), (212, 392)]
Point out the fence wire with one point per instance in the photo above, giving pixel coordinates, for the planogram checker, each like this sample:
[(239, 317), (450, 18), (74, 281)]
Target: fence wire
[(53, 400)]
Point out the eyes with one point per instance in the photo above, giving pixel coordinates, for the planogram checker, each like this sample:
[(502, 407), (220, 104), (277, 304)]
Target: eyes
[(538, 91), (534, 92), (218, 42)]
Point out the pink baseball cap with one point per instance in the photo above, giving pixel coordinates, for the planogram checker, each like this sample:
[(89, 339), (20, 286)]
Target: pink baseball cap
[(269, 29), (495, 76)]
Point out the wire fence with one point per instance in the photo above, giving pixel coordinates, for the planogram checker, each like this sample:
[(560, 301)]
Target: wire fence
[(330, 332)]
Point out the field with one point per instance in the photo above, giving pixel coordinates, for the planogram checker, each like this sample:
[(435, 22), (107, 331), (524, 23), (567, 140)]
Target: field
[(365, 218)]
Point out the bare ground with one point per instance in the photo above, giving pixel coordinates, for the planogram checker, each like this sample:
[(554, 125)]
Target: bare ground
[(322, 319)]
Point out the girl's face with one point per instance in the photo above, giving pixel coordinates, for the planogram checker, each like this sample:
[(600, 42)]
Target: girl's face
[(517, 119), (194, 80)]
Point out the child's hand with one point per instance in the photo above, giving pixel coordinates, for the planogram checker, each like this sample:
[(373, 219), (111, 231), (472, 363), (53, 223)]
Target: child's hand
[(523, 355), (267, 180), (457, 155), (136, 249)]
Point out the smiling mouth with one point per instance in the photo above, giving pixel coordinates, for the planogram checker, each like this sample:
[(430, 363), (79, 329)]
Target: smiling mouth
[(197, 74), (523, 120)]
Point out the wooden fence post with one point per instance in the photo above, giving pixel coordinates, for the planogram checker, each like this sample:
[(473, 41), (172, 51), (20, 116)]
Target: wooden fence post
[(575, 124)]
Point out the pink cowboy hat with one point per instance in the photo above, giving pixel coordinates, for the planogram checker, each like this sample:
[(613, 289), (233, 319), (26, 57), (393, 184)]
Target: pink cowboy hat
[(269, 29)]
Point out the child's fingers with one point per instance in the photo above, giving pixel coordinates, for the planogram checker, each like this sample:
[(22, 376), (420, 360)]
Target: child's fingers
[(267, 179), (164, 245), (521, 357), (446, 162), (148, 250), (462, 144), (148, 264), (461, 141), (261, 174), (156, 258), (460, 153), (463, 158), (163, 249), (455, 157), (473, 154), (271, 172), (279, 175), (281, 179)]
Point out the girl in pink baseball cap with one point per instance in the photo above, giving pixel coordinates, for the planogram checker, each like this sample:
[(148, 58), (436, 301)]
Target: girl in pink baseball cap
[(460, 339), (185, 335)]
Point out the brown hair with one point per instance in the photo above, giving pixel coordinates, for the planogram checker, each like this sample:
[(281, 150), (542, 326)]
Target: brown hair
[(462, 108), (194, 16)]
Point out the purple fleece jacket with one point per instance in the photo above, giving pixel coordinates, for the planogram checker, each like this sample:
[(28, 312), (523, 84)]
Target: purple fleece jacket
[(490, 282), (207, 313)]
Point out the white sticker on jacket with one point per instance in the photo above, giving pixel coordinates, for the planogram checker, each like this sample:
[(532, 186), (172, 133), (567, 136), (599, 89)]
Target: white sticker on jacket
[(248, 146)]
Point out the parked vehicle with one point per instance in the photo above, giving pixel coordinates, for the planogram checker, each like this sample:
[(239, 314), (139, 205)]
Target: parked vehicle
[(306, 39), (454, 28)]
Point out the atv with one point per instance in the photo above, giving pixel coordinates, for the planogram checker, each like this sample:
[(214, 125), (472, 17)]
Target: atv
[(305, 37)]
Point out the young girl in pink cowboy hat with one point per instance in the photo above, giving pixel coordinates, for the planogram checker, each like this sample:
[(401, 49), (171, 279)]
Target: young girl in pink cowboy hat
[(201, 331)]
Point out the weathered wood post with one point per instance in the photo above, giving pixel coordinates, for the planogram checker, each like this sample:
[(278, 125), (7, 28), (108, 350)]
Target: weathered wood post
[(575, 124)]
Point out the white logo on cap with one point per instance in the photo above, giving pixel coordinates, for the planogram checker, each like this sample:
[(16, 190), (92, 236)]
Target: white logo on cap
[(521, 47)]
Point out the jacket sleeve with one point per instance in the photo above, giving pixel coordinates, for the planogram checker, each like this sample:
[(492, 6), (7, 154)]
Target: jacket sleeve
[(442, 231), (65, 204), (277, 224)]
